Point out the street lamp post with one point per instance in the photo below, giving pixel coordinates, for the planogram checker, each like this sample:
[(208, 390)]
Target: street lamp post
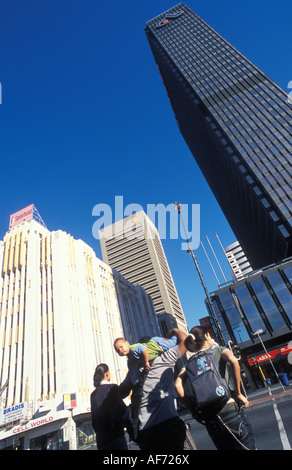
[(258, 333), (190, 252)]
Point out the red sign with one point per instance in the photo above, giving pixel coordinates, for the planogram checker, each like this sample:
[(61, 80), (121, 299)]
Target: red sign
[(21, 216), (33, 424), (286, 349), (169, 16), (271, 355), (206, 323)]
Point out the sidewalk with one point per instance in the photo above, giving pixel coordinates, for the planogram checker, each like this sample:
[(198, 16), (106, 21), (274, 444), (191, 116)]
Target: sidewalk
[(262, 397)]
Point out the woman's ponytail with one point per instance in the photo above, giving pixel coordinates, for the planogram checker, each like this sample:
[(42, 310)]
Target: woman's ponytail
[(99, 373), (195, 339)]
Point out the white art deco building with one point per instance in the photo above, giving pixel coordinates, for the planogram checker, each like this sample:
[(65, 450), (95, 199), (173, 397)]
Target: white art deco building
[(61, 309)]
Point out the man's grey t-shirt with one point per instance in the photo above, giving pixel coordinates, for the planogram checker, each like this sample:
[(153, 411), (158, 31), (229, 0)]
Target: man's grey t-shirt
[(158, 397)]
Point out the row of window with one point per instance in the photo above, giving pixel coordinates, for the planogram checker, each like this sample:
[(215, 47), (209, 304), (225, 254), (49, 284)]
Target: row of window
[(188, 50), (264, 303), (250, 180), (255, 140)]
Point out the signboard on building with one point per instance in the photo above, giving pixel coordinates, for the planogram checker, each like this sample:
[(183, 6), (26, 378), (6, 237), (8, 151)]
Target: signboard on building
[(206, 323), (271, 355), (70, 401), (45, 405), (13, 413), (21, 216)]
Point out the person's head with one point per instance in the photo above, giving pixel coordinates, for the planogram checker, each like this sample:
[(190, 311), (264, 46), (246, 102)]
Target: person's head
[(198, 339), (101, 373), (122, 346)]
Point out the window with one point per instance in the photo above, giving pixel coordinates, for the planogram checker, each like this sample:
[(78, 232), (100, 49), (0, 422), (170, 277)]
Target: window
[(226, 299), (275, 279), (276, 320), (240, 332), (234, 317), (221, 322), (268, 305), (249, 308), (257, 190), (284, 296), (274, 216), (288, 273), (284, 231)]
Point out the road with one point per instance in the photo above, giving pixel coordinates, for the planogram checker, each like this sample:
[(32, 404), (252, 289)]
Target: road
[(271, 423), (272, 428)]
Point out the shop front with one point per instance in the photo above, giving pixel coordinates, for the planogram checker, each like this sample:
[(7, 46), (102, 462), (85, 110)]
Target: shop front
[(49, 441), (268, 368), (50, 432), (84, 431)]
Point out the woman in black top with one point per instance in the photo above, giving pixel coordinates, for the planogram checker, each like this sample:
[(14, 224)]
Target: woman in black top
[(107, 412), (229, 428)]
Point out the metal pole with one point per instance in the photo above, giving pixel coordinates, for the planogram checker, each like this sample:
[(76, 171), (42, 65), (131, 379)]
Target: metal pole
[(265, 380), (216, 259), (190, 251), (222, 247), (210, 264), (271, 362)]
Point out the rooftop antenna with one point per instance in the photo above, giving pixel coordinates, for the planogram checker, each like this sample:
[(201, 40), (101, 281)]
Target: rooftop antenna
[(216, 259), (231, 267), (37, 217), (210, 264)]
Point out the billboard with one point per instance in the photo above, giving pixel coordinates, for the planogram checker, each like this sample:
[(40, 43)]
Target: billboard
[(271, 355), (21, 216), (13, 413), (70, 401), (206, 323)]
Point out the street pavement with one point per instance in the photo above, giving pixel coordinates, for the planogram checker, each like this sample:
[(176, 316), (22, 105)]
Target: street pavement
[(262, 397)]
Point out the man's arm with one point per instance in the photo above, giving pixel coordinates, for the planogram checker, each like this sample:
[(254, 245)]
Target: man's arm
[(125, 387), (146, 359), (181, 336), (179, 383), (228, 356)]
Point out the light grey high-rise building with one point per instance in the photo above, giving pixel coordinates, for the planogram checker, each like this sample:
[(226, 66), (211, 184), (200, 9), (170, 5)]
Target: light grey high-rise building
[(236, 122), (132, 246)]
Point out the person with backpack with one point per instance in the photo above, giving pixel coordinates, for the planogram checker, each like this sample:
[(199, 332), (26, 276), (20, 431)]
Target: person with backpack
[(108, 412), (158, 425), (210, 387)]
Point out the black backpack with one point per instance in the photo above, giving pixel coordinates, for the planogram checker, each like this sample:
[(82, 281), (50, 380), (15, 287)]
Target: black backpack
[(209, 390)]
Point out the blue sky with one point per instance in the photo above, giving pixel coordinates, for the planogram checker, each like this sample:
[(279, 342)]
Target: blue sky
[(85, 117)]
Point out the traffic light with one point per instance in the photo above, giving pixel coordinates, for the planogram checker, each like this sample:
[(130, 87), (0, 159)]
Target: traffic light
[(16, 445), (254, 360), (236, 351)]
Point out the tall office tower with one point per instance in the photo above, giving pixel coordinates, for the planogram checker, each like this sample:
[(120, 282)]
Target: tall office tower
[(133, 247), (61, 308), (237, 124), (237, 260)]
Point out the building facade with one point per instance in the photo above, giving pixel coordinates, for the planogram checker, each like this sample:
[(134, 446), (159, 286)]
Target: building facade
[(61, 310), (237, 260), (260, 301), (237, 124), (132, 246)]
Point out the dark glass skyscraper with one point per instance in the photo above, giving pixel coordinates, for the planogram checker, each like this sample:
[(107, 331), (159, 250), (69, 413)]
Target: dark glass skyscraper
[(236, 122)]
